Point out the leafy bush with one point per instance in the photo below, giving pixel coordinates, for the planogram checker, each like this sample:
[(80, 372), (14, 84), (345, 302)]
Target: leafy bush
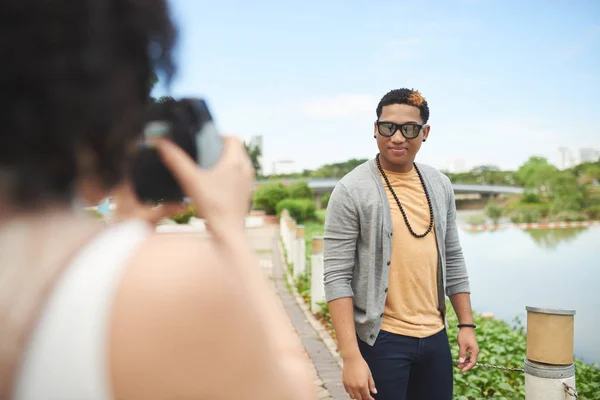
[(530, 198), (300, 190), (567, 203), (561, 209), (593, 212), (529, 213), (184, 217), (588, 380), (499, 344), (302, 284), (300, 209), (493, 211), (325, 200), (268, 195), (325, 317), (566, 193), (568, 216)]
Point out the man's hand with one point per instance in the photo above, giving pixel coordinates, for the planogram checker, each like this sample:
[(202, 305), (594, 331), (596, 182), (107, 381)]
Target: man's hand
[(468, 349), (357, 379)]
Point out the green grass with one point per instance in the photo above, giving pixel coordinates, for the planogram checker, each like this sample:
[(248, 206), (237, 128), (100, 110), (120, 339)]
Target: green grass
[(264, 251)]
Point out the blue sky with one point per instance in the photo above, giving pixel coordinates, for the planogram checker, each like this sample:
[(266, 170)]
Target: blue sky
[(504, 79)]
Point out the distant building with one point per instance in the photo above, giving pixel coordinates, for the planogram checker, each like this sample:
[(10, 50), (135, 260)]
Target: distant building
[(256, 141), (565, 158)]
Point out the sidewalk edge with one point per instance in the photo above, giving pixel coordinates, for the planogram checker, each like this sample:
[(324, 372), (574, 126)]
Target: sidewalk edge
[(316, 325)]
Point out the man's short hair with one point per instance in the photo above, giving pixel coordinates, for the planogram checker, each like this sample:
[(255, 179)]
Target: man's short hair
[(409, 97)]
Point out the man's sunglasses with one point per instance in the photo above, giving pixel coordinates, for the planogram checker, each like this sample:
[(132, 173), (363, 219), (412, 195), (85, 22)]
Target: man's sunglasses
[(409, 131)]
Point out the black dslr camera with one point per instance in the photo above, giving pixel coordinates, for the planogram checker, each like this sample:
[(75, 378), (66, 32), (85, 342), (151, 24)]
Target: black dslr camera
[(189, 124)]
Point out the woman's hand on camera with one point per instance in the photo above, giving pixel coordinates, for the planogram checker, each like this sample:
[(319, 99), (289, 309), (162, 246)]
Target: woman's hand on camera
[(221, 194)]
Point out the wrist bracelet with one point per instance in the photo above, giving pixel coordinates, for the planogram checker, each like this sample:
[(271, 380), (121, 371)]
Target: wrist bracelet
[(467, 326)]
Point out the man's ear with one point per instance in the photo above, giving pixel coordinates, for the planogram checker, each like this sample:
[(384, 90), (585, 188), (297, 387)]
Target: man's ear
[(426, 130), (375, 129)]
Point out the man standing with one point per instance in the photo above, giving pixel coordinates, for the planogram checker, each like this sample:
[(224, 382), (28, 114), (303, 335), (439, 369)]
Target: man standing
[(392, 253)]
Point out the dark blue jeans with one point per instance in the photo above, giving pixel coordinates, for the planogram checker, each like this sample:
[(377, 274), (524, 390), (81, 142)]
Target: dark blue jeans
[(408, 368)]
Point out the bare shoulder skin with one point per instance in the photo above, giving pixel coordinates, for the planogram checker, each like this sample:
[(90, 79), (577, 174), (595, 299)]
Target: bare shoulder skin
[(184, 327)]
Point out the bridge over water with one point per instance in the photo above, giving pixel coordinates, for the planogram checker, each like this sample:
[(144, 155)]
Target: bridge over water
[(326, 185), (470, 195)]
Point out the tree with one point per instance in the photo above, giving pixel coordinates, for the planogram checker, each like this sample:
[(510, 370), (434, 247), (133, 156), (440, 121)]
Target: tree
[(268, 195), (337, 170), (255, 154), (493, 211), (300, 190), (588, 173), (536, 173), (565, 192), (483, 175)]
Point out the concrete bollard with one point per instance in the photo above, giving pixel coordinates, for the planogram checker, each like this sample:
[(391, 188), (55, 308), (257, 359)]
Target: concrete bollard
[(317, 288), (550, 363), (286, 234), (282, 225), (299, 251), (291, 240)]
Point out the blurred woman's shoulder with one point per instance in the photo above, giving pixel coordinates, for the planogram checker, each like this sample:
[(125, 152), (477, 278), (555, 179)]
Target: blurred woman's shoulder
[(182, 324)]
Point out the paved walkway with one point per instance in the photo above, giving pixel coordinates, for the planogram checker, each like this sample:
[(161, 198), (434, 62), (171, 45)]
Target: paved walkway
[(328, 375)]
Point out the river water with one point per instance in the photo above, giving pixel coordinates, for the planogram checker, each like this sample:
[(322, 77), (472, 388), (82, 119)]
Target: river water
[(546, 268)]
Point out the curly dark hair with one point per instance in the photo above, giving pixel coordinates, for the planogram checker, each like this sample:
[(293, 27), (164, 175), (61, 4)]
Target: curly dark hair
[(410, 97), (75, 79)]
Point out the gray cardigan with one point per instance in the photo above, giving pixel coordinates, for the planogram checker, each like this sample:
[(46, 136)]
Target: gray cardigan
[(358, 244)]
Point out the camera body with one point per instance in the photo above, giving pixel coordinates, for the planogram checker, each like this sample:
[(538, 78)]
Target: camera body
[(189, 124)]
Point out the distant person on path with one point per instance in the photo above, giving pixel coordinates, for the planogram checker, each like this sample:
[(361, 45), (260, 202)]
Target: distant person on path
[(90, 311), (392, 253)]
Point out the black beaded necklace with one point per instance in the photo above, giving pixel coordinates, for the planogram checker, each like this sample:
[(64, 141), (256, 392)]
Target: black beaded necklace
[(400, 205)]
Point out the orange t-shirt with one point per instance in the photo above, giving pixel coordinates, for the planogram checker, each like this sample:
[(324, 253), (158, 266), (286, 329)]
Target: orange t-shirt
[(411, 307)]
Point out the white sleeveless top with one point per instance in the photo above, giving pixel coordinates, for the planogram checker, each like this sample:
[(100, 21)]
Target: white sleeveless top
[(67, 355)]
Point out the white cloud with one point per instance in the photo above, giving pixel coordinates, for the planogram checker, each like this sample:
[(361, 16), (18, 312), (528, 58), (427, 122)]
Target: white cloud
[(340, 106)]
